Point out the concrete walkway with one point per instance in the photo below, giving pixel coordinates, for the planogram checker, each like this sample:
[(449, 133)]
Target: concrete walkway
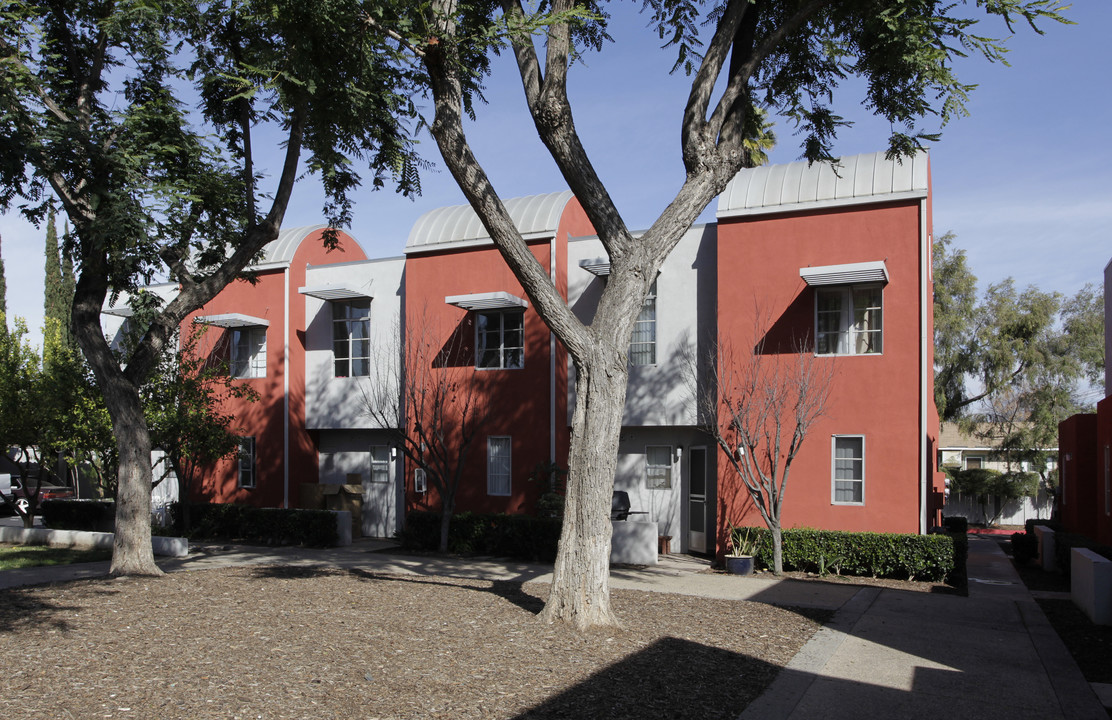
[(887, 653), (892, 653)]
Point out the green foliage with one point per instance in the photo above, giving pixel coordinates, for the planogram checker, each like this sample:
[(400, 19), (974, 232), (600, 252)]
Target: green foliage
[(263, 526), (985, 485), (514, 536), (25, 556), (925, 557), (742, 541), (88, 515)]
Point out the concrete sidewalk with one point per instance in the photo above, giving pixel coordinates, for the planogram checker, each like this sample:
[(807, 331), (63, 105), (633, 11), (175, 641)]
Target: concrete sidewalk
[(892, 653), (887, 653)]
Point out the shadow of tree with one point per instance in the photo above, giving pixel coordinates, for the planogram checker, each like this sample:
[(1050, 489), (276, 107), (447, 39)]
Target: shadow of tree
[(671, 678)]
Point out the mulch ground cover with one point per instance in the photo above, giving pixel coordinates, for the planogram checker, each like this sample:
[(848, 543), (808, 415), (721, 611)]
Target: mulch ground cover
[(322, 643)]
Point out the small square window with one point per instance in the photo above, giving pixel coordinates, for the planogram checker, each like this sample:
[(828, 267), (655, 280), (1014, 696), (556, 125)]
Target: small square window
[(248, 352), (500, 339), (849, 320)]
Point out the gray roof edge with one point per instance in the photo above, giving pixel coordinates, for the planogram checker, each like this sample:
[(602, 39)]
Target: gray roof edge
[(449, 225), (823, 204)]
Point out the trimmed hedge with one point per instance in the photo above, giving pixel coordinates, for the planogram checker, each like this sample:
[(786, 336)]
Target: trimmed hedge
[(521, 537), (85, 515), (263, 526), (907, 556), (1025, 547)]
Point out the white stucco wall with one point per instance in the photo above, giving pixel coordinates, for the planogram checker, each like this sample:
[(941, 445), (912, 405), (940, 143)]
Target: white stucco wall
[(662, 394), (335, 403)]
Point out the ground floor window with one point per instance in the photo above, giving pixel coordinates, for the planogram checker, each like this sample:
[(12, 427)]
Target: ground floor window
[(658, 467), (380, 464), (848, 469), (246, 462), (499, 455)]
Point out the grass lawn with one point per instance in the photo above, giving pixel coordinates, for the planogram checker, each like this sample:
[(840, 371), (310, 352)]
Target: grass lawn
[(24, 556)]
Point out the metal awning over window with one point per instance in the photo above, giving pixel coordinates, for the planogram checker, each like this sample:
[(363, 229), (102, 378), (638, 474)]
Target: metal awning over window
[(848, 274), (123, 311), (336, 291), (232, 320), (486, 301), (597, 266)]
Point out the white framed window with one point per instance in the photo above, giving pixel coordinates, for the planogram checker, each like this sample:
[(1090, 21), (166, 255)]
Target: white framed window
[(975, 462), (248, 352), (246, 470), (658, 467), (420, 484), (642, 346), (848, 469), (500, 339), (849, 320), (351, 332), (499, 456), (380, 463)]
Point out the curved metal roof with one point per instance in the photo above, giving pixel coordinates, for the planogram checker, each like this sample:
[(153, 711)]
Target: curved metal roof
[(282, 249), (859, 179), (534, 215)]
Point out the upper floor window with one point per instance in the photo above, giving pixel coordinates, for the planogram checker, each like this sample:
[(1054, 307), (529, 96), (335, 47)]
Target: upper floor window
[(848, 320), (249, 352), (642, 346), (351, 331), (500, 339)]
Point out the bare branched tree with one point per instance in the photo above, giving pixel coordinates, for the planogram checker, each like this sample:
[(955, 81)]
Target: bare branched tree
[(426, 394), (759, 406)]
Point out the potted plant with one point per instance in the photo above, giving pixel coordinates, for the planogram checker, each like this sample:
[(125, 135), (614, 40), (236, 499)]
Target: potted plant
[(741, 548)]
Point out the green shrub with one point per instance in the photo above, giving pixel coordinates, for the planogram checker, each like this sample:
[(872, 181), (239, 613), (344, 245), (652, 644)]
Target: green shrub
[(930, 557), (264, 526), (86, 515), (1029, 525), (522, 537), (956, 523)]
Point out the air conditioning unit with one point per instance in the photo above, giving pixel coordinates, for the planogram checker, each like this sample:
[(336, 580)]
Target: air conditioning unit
[(951, 458), (419, 480)]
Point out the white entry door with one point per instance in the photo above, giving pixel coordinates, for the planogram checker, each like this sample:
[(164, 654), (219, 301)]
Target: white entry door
[(697, 501)]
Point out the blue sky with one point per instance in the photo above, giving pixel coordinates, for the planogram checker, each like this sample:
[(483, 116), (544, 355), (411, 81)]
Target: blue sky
[(1025, 181)]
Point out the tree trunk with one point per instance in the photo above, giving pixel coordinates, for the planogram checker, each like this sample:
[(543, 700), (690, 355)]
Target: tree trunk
[(581, 578), (132, 553), (446, 509), (777, 550)]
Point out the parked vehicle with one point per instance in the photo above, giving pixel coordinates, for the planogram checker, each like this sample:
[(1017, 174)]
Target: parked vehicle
[(47, 491)]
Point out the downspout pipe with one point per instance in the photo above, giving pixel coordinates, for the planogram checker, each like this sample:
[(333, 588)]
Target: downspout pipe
[(925, 365), (286, 393)]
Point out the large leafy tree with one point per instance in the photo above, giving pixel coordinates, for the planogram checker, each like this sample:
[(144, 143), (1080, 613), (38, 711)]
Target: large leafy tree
[(1011, 364), (142, 120), (783, 57)]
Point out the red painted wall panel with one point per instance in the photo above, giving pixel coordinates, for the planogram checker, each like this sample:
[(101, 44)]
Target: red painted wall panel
[(877, 396), (265, 418)]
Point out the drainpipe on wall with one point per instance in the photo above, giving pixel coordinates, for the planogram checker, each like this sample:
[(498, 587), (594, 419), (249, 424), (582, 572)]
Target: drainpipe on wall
[(286, 394), (925, 360)]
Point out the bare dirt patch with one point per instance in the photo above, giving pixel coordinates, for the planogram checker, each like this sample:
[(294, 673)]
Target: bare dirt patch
[(321, 643)]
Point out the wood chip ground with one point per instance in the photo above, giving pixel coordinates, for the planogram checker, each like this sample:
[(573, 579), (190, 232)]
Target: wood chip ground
[(323, 643)]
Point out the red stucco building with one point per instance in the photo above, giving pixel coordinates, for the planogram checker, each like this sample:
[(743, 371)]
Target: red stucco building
[(840, 261)]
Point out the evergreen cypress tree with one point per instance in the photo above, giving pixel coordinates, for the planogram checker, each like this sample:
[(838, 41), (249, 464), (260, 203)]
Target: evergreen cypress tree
[(3, 290), (57, 297)]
